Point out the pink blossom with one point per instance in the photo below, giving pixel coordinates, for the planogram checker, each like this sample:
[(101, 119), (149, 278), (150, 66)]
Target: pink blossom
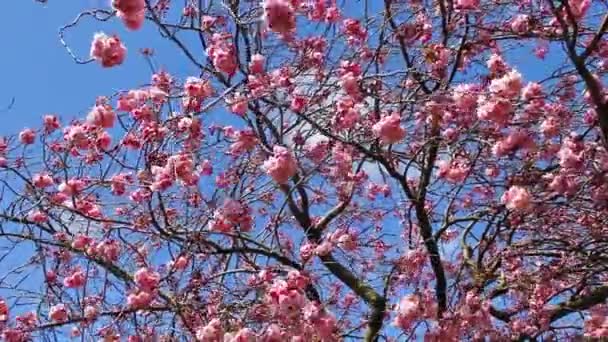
[(27, 136), (324, 248), (389, 129), (180, 263), (37, 216), (298, 103), (109, 51), (42, 180), (407, 311), (273, 334), (239, 105), (256, 66), (516, 139), (75, 280), (550, 127), (532, 91), (279, 15), (212, 332), (58, 313), (243, 335), (3, 311), (222, 54), (51, 123), (141, 299), (571, 155), (496, 64), (521, 24), (71, 187), (232, 214), (131, 12), (307, 251), (133, 21), (498, 110), (146, 279), (197, 87), (467, 4), (102, 116), (508, 86), (354, 31), (455, 171), (517, 197), (281, 165)]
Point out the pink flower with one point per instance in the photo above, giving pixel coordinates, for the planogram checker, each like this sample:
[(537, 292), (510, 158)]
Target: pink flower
[(256, 66), (516, 139), (307, 250), (496, 64), (232, 213), (27, 136), (133, 21), (129, 6), (298, 103), (222, 54), (562, 184), (521, 24), (109, 51), (407, 311), (3, 311), (550, 127), (389, 129), (74, 280), (246, 140), (508, 86), (354, 31), (532, 91), (51, 123), (455, 171), (71, 187), (141, 299), (102, 116), (273, 334), (517, 197), (197, 87), (180, 263), (498, 110), (37, 216), (324, 248), (108, 249), (119, 183), (467, 4), (131, 11), (90, 312), (281, 165), (146, 279), (238, 105), (571, 155), (279, 15), (206, 168), (212, 332), (243, 335), (42, 180), (58, 313)]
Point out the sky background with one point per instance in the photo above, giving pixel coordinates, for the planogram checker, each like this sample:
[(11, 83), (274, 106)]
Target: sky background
[(42, 78)]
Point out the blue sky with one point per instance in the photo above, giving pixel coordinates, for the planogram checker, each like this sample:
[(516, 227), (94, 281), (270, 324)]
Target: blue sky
[(42, 78)]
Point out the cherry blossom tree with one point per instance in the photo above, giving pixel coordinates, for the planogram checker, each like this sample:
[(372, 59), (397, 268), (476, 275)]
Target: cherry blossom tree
[(334, 171)]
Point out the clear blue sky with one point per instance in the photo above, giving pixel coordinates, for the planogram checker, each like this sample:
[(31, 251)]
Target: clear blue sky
[(37, 71)]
